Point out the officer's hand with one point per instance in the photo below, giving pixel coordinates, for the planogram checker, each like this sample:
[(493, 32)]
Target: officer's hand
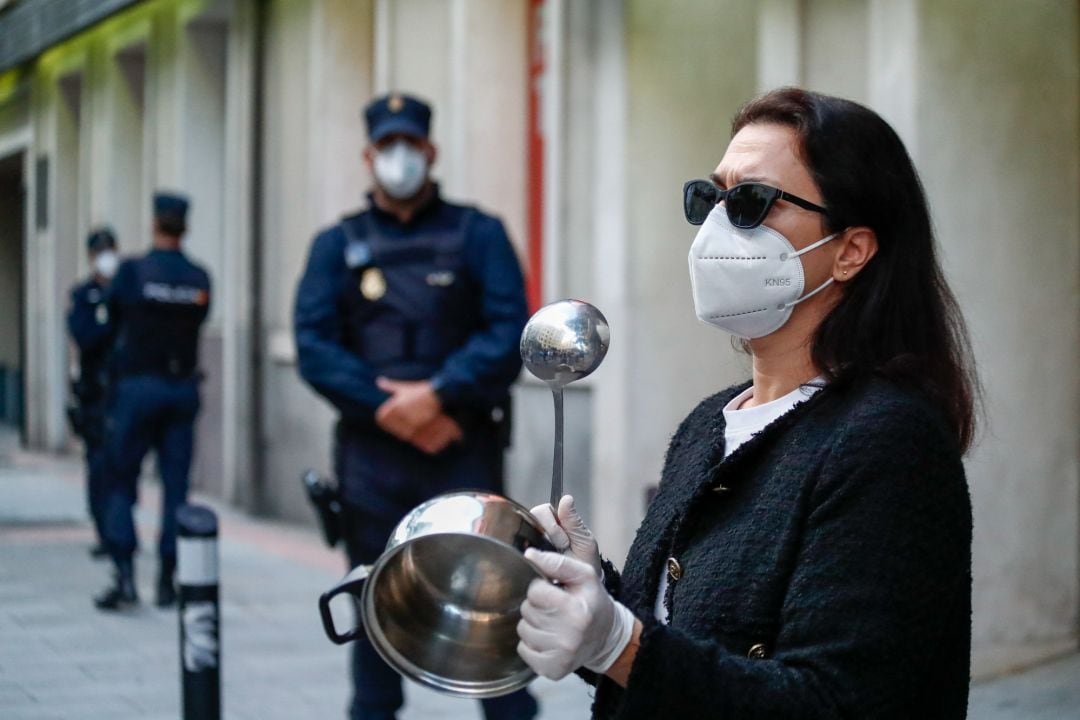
[(437, 435), (411, 406)]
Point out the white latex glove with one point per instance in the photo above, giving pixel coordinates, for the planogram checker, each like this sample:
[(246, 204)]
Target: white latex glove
[(569, 533), (564, 627)]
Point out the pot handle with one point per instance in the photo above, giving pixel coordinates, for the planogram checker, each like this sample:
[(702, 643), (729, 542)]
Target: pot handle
[(351, 583)]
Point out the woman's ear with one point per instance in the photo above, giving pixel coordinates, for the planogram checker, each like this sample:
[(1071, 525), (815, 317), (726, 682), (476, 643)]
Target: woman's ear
[(858, 245)]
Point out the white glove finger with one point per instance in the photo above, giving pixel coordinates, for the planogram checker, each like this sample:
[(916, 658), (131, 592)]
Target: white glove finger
[(538, 639), (543, 515), (550, 664), (554, 531), (568, 570), (547, 597), (569, 517), (582, 540), (533, 615), (546, 616)]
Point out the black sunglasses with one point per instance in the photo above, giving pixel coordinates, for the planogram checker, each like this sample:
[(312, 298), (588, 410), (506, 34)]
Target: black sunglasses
[(747, 203)]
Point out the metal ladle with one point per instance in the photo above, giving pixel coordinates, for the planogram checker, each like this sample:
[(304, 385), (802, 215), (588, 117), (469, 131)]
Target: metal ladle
[(561, 343)]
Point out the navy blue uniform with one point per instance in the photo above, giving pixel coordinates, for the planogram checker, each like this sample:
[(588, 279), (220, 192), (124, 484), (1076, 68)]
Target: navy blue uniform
[(91, 327), (440, 298), (159, 303)]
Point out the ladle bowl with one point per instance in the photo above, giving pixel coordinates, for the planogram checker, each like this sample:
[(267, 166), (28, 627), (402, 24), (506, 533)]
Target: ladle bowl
[(565, 341)]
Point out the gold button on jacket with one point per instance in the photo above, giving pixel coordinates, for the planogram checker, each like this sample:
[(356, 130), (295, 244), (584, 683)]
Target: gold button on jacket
[(674, 569), (757, 652)]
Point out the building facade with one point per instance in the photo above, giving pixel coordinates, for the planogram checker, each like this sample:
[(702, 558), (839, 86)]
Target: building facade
[(577, 123)]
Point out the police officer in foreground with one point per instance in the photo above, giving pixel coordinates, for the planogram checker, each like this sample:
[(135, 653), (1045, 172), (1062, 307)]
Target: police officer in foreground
[(407, 319), (159, 302), (91, 329)]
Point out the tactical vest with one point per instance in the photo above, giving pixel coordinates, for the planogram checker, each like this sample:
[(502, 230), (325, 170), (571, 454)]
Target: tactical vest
[(161, 331), (410, 301)]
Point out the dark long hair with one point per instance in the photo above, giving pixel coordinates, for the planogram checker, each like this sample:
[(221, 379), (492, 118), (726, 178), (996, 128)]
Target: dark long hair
[(897, 317)]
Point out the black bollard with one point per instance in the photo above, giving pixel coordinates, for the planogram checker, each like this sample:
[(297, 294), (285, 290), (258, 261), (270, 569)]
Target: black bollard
[(200, 631)]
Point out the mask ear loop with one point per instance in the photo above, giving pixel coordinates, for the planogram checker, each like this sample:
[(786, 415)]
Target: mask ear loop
[(819, 288), (808, 248)]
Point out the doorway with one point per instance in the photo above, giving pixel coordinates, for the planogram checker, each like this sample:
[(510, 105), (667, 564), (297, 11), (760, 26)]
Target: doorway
[(12, 295)]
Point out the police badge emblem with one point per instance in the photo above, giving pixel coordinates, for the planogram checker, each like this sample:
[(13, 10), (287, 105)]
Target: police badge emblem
[(395, 103), (372, 284), (444, 278)]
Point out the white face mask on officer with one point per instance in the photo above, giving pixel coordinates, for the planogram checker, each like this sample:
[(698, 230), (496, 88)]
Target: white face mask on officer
[(746, 281), (105, 263), (400, 169)]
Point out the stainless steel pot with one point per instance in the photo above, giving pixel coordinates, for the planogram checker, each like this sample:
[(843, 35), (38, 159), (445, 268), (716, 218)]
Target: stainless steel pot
[(441, 604)]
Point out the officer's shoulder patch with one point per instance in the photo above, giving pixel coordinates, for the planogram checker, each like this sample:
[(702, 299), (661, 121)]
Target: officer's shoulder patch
[(357, 254)]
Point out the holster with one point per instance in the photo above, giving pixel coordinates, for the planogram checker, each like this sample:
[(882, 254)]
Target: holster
[(75, 418), (323, 494), (86, 414)]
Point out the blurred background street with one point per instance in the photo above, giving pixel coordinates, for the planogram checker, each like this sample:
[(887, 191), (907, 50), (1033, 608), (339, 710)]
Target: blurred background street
[(60, 659)]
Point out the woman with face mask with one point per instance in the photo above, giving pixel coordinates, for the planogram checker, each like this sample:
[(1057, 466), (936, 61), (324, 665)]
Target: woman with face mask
[(808, 554)]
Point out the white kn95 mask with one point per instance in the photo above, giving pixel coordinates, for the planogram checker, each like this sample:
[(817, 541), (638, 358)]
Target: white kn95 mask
[(746, 281), (105, 263), (400, 169)]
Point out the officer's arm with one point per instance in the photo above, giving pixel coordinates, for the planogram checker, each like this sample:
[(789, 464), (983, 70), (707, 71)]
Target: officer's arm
[(75, 317), (204, 310), (118, 294), (480, 373), (86, 331), (335, 373)]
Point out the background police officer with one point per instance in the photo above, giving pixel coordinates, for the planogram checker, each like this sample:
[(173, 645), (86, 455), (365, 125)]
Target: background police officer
[(407, 319), (91, 329), (159, 303)]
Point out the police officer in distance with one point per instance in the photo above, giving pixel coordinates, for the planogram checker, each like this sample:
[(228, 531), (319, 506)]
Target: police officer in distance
[(407, 319), (159, 302), (91, 329)]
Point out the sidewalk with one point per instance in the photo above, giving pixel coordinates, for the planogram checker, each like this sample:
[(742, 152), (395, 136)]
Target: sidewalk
[(62, 660)]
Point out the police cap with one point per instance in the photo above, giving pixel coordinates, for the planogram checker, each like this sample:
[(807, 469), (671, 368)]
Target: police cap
[(397, 113), (170, 206), (100, 239)]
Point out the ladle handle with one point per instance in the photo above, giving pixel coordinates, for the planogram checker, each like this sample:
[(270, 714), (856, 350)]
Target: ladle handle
[(351, 583), (557, 462)]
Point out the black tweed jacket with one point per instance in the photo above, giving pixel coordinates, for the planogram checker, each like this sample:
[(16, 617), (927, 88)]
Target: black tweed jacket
[(823, 569)]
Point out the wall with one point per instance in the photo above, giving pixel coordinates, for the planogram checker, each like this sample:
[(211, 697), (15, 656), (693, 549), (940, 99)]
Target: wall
[(689, 65), (318, 77), (998, 129)]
